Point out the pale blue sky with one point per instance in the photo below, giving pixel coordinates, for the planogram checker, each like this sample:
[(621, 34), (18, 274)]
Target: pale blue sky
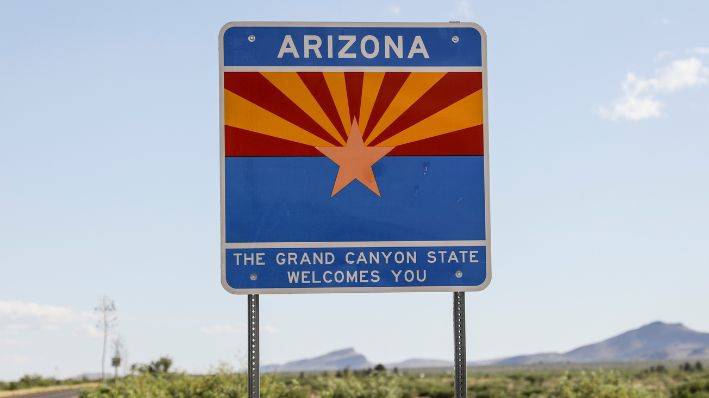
[(109, 184)]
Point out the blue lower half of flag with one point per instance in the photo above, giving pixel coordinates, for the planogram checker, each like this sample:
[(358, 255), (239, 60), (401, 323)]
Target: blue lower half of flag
[(288, 199)]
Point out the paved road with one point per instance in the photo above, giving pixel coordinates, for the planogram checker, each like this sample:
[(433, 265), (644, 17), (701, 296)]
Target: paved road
[(53, 394)]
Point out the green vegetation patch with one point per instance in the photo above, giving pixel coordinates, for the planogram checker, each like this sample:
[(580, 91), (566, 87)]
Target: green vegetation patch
[(652, 382)]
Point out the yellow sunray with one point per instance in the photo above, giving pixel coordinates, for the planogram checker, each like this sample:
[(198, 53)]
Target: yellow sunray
[(240, 113), (292, 86), (468, 112), (414, 87), (370, 88), (338, 89)]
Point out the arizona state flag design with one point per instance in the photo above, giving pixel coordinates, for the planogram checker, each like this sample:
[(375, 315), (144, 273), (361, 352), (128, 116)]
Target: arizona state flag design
[(320, 163)]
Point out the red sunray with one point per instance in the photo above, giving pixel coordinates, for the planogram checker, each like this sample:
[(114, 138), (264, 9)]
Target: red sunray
[(315, 82), (450, 89), (353, 82), (239, 142), (468, 141), (391, 84), (255, 88)]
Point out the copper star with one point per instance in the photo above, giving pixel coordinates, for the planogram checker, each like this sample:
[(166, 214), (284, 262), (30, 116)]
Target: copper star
[(355, 161)]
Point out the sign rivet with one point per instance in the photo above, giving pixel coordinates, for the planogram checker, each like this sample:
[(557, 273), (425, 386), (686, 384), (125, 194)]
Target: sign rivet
[(253, 276), (459, 274), (252, 38), (455, 39)]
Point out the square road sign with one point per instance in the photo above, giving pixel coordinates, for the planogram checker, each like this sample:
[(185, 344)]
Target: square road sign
[(354, 157)]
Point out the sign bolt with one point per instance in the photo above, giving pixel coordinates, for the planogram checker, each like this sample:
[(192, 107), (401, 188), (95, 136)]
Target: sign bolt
[(455, 39), (459, 274), (252, 38), (253, 276)]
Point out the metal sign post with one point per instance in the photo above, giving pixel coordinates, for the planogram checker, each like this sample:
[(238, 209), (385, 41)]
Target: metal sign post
[(460, 366), (253, 343), (354, 158)]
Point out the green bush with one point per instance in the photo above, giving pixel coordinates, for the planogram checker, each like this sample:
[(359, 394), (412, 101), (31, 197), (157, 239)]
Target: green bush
[(600, 384), (32, 381), (692, 389)]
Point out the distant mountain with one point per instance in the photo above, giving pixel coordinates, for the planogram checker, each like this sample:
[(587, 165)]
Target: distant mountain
[(420, 363), (654, 342), (336, 360)]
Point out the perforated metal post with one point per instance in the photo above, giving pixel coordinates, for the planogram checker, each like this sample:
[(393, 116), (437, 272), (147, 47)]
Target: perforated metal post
[(460, 366), (253, 366)]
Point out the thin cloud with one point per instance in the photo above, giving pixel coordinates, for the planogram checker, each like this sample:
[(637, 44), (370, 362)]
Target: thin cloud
[(17, 310), (17, 316), (11, 342), (641, 96), (89, 330), (663, 55), (700, 50)]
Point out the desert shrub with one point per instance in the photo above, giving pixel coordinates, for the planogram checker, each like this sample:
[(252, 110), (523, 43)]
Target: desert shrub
[(162, 365), (217, 385), (32, 381), (698, 388), (600, 384)]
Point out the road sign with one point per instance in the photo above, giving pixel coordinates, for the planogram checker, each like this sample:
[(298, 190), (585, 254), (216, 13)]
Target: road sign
[(354, 157)]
